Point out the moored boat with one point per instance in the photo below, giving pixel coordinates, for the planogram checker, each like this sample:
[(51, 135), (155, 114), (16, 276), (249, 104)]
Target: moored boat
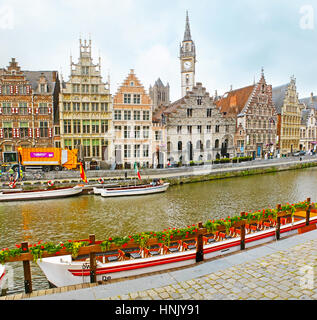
[(40, 194), (134, 190), (121, 263), (2, 277)]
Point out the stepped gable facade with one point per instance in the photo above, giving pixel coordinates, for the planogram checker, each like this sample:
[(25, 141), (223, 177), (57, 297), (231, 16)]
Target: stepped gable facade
[(289, 109), (28, 108), (255, 114)]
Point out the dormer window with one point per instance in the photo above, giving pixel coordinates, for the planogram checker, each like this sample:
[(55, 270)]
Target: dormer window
[(43, 87)]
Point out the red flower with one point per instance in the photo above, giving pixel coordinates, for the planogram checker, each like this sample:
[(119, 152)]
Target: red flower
[(110, 239), (24, 249), (171, 236), (57, 252), (42, 247)]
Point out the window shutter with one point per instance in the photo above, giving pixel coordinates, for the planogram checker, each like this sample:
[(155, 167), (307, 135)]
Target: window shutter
[(50, 131), (13, 131), (12, 110), (18, 133), (28, 89), (11, 89), (30, 133), (0, 110), (49, 110), (16, 89), (1, 133), (37, 110), (0, 89), (29, 110), (17, 110), (37, 132)]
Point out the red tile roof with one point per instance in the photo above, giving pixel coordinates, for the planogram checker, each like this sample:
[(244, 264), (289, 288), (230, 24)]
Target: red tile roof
[(234, 101)]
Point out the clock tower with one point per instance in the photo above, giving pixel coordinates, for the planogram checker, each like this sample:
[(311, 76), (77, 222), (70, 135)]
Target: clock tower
[(188, 60)]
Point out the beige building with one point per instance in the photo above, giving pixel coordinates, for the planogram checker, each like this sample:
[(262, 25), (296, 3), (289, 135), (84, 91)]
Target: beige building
[(308, 130), (86, 110), (132, 122), (288, 108)]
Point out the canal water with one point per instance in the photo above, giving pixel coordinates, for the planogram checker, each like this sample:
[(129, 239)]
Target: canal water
[(77, 217)]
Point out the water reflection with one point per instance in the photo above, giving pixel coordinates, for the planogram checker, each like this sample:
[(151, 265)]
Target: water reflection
[(76, 218)]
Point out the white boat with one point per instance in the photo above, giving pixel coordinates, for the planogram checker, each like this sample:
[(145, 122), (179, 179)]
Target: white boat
[(64, 271), (2, 277), (134, 190), (97, 190), (40, 194)]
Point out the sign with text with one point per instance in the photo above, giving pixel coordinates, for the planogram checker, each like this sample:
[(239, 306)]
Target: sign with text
[(42, 154)]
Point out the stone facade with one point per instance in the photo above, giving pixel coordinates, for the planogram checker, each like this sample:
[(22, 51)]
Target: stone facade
[(256, 115), (132, 120), (195, 128), (288, 108), (86, 110), (28, 107)]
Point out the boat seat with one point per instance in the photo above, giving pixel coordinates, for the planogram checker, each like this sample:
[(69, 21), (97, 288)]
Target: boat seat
[(135, 255), (154, 253), (211, 240), (189, 244), (112, 258), (173, 249)]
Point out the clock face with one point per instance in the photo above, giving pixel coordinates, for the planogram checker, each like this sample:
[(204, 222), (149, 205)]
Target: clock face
[(187, 64)]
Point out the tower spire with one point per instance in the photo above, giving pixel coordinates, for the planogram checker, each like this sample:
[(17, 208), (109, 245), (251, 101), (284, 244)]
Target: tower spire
[(187, 35)]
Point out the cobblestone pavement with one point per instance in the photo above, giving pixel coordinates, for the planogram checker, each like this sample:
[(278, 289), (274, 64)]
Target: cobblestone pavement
[(283, 275)]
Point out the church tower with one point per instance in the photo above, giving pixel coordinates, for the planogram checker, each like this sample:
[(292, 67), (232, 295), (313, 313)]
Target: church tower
[(188, 60)]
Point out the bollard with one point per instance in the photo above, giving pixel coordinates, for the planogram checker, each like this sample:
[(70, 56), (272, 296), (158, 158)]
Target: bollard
[(27, 270), (242, 235), (92, 260), (308, 214), (200, 244), (278, 223)]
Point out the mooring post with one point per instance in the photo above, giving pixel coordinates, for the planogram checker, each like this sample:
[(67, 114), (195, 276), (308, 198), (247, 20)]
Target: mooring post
[(278, 222), (27, 270), (92, 262), (200, 244), (308, 212), (242, 232)]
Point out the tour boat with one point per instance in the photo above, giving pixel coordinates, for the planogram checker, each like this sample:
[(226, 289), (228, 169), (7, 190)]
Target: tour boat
[(2, 274), (134, 190), (122, 263), (40, 194)]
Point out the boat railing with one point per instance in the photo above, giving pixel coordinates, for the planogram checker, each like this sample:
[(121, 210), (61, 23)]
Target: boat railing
[(93, 250)]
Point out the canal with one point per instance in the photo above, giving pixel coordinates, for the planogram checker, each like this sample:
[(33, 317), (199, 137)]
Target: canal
[(76, 218)]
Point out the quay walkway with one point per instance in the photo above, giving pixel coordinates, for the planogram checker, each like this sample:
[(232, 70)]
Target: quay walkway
[(172, 174), (280, 270)]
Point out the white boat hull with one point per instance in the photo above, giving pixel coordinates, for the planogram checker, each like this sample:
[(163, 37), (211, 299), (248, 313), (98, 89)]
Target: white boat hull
[(41, 194), (2, 277), (62, 271), (133, 191)]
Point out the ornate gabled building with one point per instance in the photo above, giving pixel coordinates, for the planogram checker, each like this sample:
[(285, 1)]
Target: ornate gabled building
[(86, 110), (28, 107), (160, 94), (289, 109), (253, 108), (196, 129), (308, 129), (132, 121)]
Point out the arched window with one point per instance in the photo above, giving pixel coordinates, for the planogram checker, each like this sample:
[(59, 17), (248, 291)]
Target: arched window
[(180, 146), (208, 144), (217, 144)]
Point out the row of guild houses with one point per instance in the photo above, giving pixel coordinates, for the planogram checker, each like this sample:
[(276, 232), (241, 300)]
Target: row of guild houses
[(41, 109)]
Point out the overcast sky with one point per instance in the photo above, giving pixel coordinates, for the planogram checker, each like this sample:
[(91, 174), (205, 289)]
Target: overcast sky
[(234, 39)]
